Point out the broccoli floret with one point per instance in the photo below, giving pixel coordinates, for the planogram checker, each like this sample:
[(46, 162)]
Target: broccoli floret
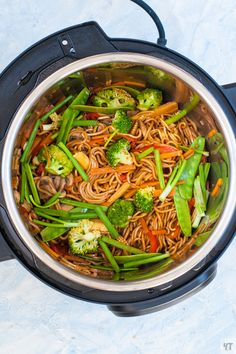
[(149, 99), (119, 153), (143, 199), (114, 97), (57, 161), (83, 239), (121, 122), (120, 212)]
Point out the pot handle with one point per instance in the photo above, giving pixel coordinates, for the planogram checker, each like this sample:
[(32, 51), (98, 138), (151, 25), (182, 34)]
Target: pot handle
[(230, 93), (5, 251), (162, 39)]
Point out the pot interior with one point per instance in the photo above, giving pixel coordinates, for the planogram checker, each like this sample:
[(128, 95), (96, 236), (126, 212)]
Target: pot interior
[(173, 88)]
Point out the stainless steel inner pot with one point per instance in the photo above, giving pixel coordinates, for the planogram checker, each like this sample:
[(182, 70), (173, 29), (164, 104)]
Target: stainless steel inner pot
[(212, 115)]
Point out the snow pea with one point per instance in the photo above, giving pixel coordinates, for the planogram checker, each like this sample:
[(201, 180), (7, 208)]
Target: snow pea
[(183, 213), (191, 168)]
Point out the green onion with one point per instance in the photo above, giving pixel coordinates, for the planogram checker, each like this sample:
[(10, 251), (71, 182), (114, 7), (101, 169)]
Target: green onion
[(35, 129), (106, 110), (122, 246), (69, 216), (102, 216), (159, 170), (110, 137), (139, 262), (70, 113), (145, 153), (23, 184), (175, 176), (188, 107), (50, 233), (76, 164), (67, 224), (84, 123), (53, 200), (32, 183), (134, 257), (109, 256), (81, 204)]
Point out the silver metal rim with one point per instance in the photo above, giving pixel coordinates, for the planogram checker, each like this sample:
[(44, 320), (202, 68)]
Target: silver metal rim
[(32, 244)]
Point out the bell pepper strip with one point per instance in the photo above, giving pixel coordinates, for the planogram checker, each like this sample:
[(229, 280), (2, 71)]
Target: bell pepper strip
[(183, 213), (174, 178), (188, 107), (91, 115), (36, 126), (123, 177), (191, 168), (152, 238), (159, 170)]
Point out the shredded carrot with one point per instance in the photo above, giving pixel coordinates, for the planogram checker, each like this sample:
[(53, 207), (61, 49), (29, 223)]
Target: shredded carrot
[(119, 193), (216, 189), (149, 184), (176, 233), (144, 226), (78, 179), (169, 155), (159, 232), (108, 169), (166, 108), (130, 193), (212, 133), (188, 153), (49, 250)]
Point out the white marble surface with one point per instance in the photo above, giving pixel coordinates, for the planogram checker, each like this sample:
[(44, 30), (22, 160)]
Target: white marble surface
[(34, 319)]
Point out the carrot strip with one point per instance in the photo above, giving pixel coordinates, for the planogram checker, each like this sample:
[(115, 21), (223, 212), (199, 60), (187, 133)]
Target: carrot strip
[(108, 169), (169, 155), (188, 153), (157, 192), (212, 133), (216, 189), (118, 193)]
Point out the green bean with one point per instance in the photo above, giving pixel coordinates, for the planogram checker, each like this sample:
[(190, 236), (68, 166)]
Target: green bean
[(183, 213), (106, 110), (134, 257), (201, 238), (68, 217), (149, 272), (85, 123), (23, 184), (50, 233), (53, 212), (76, 164), (53, 200), (188, 107), (32, 183), (49, 217), (190, 169), (109, 256), (146, 261), (35, 129), (71, 113), (102, 216), (145, 153), (122, 246), (159, 170), (67, 225), (81, 204)]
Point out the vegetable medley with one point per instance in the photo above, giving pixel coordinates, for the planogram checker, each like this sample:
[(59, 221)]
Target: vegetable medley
[(114, 182)]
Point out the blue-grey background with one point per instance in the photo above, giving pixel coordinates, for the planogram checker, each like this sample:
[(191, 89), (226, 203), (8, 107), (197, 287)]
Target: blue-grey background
[(35, 319)]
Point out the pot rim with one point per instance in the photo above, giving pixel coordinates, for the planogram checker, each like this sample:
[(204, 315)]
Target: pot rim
[(31, 243)]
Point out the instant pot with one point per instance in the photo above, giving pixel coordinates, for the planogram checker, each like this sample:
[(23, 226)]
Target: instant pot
[(55, 61)]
